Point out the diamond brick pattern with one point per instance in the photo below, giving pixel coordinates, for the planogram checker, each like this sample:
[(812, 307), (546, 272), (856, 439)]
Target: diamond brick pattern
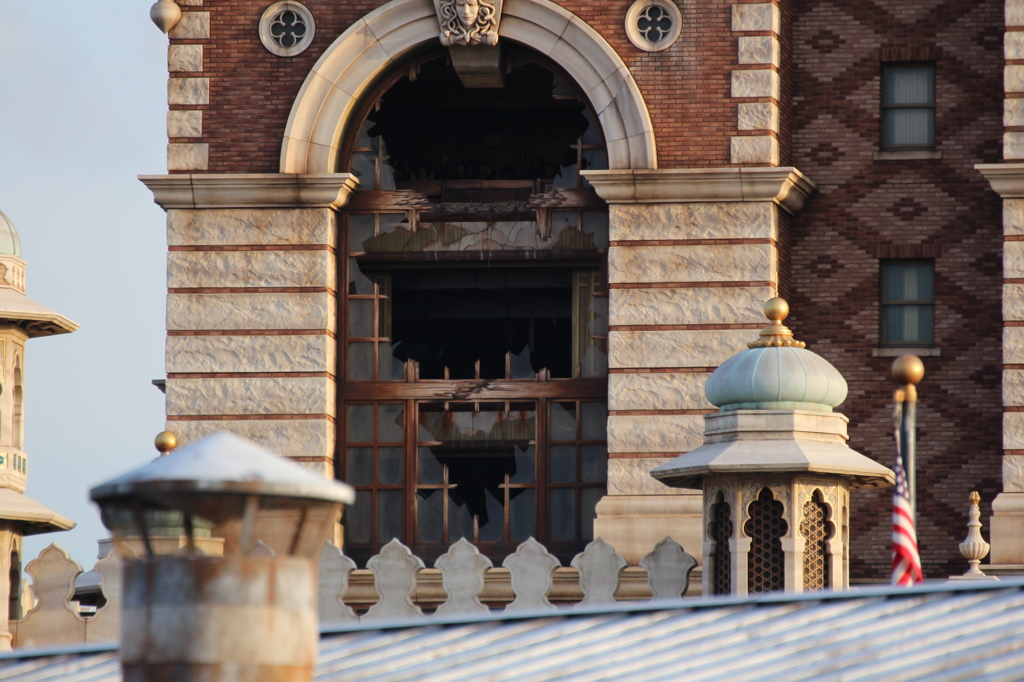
[(864, 207)]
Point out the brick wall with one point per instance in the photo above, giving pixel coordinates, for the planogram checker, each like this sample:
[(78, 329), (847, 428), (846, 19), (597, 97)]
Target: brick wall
[(251, 91), (864, 205)]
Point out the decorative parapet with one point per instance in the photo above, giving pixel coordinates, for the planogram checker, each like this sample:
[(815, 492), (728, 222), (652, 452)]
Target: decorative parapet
[(395, 585)]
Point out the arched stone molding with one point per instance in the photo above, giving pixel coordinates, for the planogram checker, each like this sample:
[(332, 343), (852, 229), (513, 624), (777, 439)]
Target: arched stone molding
[(379, 40)]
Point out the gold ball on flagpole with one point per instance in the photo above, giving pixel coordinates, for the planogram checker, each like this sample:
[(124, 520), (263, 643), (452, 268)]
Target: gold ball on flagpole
[(165, 441), (908, 369), (776, 309)]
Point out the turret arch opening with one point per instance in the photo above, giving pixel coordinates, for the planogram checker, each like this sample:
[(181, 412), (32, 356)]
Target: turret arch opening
[(475, 350), (355, 63)]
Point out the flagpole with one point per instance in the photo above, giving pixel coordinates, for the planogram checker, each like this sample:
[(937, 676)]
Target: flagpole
[(908, 370)]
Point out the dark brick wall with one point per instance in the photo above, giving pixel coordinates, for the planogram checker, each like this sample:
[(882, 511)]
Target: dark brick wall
[(863, 206)]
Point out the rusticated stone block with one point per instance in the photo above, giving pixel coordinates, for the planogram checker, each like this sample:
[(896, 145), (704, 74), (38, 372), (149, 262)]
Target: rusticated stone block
[(255, 226), (288, 437), (188, 157), (251, 269), (250, 311), (1013, 473), (188, 58), (1013, 430), (1013, 345), (762, 149), (631, 476), (758, 50), (1013, 301), (683, 391), (1013, 145), (655, 433), (698, 305), (278, 353), (192, 26), (193, 91), (184, 124), (675, 348), (756, 17), (727, 220), (757, 116), (1013, 216), (735, 262), (755, 83), (251, 395)]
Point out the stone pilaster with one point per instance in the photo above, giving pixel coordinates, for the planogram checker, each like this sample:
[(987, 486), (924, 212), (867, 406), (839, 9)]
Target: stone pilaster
[(251, 309), (693, 255)]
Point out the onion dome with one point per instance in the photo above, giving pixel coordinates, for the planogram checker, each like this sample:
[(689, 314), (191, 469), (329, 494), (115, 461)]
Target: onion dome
[(10, 243), (777, 372)]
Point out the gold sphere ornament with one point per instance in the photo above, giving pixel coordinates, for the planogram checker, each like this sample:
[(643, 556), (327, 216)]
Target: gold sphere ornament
[(908, 369), (776, 309), (165, 441)]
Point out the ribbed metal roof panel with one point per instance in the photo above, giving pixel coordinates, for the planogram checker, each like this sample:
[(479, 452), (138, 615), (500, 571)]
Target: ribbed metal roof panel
[(947, 633)]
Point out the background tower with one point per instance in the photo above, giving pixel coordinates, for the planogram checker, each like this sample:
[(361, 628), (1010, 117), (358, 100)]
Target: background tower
[(21, 319)]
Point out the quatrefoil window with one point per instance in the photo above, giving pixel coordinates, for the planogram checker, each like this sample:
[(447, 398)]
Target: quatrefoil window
[(653, 25), (286, 28)]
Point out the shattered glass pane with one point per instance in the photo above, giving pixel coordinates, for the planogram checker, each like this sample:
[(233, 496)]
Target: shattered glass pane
[(563, 421), (595, 421), (595, 224), (360, 230), (563, 514), (430, 515), (522, 514), (358, 284), (360, 361), (360, 423)]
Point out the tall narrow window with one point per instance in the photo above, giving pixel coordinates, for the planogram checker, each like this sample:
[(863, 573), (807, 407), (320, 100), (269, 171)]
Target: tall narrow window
[(19, 398), (721, 534), (766, 570), (908, 302), (908, 106), (814, 527)]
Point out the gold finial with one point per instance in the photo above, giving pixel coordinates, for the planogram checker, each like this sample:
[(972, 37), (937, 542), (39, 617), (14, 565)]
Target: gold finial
[(908, 369), (975, 498), (776, 334), (165, 441)]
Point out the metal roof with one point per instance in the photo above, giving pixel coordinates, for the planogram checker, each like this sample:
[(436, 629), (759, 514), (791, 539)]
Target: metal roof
[(963, 631)]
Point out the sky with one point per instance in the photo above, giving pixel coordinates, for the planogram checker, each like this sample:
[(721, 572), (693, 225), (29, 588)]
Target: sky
[(83, 100)]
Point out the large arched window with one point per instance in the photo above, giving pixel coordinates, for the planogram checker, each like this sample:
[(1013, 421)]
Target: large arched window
[(472, 376)]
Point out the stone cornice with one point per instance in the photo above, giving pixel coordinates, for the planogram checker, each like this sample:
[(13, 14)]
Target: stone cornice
[(1007, 179), (786, 186), (251, 190)]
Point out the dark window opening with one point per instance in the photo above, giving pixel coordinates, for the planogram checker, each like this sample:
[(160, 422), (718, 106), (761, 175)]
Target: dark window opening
[(454, 318)]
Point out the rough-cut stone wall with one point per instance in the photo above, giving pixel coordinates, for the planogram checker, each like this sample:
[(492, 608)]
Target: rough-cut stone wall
[(219, 67), (863, 206), (251, 322)]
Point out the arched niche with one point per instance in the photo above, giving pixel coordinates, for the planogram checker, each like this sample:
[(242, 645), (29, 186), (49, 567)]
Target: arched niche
[(376, 43)]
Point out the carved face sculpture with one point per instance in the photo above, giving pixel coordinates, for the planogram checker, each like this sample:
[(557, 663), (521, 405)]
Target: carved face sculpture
[(468, 12)]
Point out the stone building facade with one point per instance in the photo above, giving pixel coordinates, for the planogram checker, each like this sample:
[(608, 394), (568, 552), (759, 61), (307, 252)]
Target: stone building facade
[(366, 234)]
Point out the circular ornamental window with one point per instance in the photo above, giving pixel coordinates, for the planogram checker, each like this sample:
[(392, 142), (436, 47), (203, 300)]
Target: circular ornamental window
[(653, 25), (286, 28)]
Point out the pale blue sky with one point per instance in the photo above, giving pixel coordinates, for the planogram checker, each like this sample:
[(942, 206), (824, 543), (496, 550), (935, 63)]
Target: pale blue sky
[(82, 113)]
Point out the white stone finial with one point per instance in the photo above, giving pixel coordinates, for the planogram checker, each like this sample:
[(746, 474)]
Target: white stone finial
[(165, 14), (974, 548)]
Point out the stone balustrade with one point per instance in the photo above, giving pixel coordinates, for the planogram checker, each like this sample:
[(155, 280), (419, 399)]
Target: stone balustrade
[(394, 585)]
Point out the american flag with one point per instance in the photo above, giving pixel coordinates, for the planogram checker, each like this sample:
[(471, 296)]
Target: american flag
[(906, 562)]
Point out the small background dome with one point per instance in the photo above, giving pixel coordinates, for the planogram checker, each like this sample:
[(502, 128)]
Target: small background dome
[(776, 373), (10, 243)]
